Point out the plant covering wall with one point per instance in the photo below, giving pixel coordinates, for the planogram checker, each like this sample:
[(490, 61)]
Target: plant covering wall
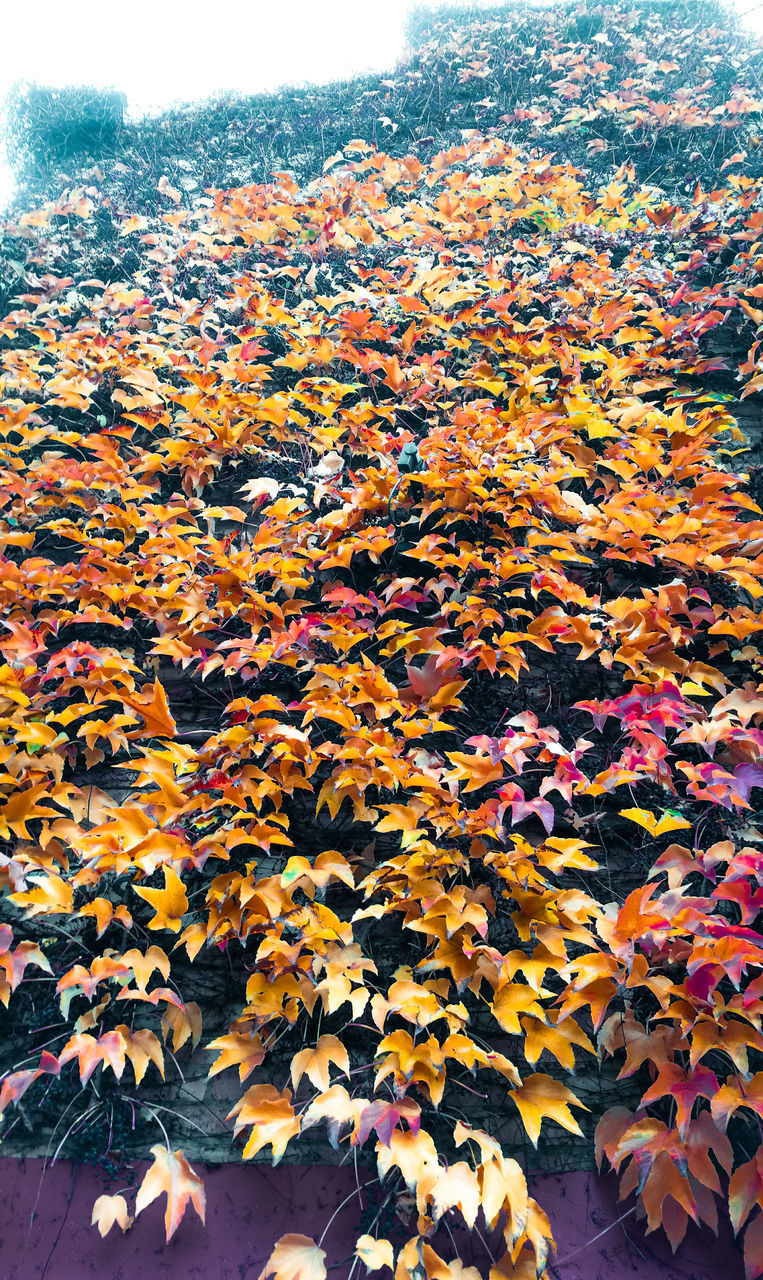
[(381, 693)]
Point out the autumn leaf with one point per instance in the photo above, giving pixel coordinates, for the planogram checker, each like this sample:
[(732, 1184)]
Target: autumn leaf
[(745, 1190), (255, 491), (732, 1095), (684, 1087), (141, 1046), (753, 1248), (166, 189), (152, 706), (477, 771), (557, 1040), (295, 1257), (337, 1108), (374, 1253), (169, 903), (143, 964), (656, 827), (454, 1187), (50, 895), (503, 1189), (23, 806), (92, 1051), (105, 911), (538, 1097), (512, 999), (14, 962), (412, 1153), (314, 1063), (614, 1124), (523, 1267), (171, 1175), (384, 1116), (316, 875), (237, 1050), (110, 1209), (271, 1117), (183, 1020)]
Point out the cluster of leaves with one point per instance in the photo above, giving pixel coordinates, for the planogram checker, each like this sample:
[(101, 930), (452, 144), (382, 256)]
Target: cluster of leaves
[(642, 84), (671, 86), (421, 504)]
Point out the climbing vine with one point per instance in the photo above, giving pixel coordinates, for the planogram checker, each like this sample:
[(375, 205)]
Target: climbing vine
[(423, 516)]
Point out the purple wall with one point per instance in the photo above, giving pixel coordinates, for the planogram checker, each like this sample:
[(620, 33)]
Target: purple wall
[(249, 1206)]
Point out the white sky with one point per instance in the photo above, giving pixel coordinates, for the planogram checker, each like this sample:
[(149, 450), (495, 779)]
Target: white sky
[(165, 51)]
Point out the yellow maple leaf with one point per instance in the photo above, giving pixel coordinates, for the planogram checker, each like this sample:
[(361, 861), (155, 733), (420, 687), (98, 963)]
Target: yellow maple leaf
[(654, 825), (314, 1063), (539, 1096), (51, 895), (374, 1253), (169, 903)]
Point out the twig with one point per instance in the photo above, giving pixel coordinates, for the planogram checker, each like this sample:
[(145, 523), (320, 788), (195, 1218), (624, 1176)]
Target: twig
[(63, 1223), (563, 1261), (340, 1206)]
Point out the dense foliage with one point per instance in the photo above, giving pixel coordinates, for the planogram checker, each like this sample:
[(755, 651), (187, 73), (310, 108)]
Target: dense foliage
[(410, 487)]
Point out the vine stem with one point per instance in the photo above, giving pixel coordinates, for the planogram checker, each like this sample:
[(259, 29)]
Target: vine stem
[(153, 1107), (155, 1117), (53, 1247), (355, 1192), (80, 1120), (563, 1261), (392, 493)]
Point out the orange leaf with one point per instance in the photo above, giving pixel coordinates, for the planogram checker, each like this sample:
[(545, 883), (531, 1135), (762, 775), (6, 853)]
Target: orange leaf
[(171, 1175), (511, 999), (151, 703), (90, 1051), (737, 1093), (271, 1116), (413, 1153), (167, 190), (745, 1190), (337, 1108), (684, 1087), (22, 807), (144, 964), (557, 1040), (299, 872), (141, 1047), (184, 1021), (663, 1182), (476, 770), (454, 1187), (237, 1050), (104, 913)]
